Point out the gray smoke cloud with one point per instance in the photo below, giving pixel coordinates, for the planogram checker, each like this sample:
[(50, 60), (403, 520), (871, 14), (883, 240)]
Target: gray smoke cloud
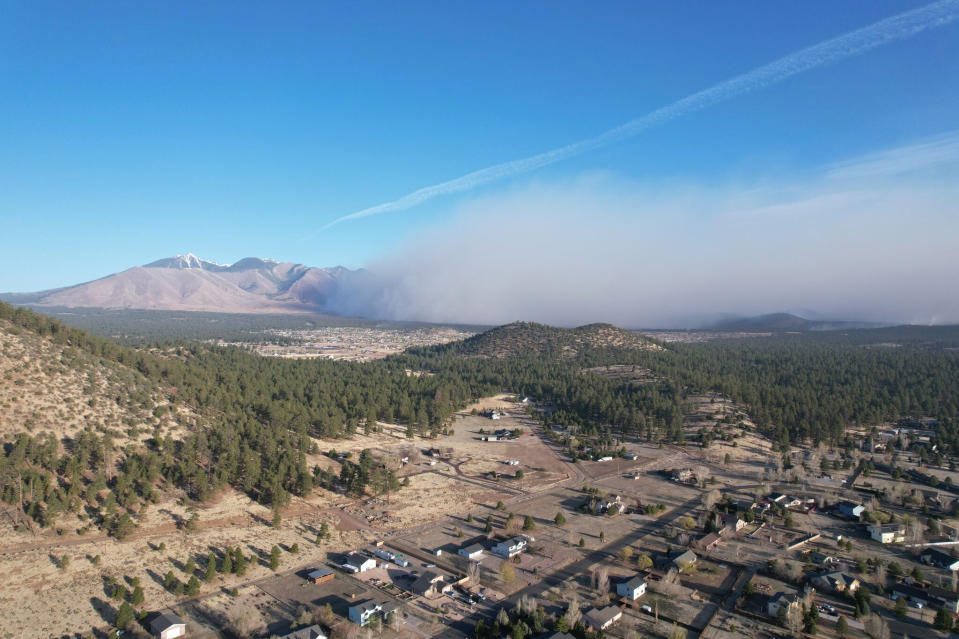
[(873, 239)]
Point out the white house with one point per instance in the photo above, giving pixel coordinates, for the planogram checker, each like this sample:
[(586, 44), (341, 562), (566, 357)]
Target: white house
[(168, 626), (887, 533), (473, 551), (632, 589), (509, 547), (362, 612), (355, 562)]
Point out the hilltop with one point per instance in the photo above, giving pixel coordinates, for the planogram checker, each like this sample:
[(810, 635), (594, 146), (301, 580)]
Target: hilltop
[(529, 339)]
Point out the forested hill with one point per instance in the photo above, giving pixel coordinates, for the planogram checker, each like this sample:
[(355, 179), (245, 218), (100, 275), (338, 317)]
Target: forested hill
[(528, 339), (249, 422)]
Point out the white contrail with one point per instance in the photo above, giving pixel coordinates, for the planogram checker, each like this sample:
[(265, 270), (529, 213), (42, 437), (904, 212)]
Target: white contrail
[(856, 42)]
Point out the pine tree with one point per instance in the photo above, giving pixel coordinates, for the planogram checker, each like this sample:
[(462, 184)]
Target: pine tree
[(193, 586), (125, 616), (274, 557), (226, 566)]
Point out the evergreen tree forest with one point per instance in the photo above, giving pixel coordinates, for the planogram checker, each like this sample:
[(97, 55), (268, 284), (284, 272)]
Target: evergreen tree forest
[(259, 416)]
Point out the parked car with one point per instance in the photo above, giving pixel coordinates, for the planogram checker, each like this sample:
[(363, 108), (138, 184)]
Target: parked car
[(646, 609)]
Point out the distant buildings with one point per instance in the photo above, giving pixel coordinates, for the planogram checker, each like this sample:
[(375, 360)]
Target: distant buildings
[(683, 474), (500, 435)]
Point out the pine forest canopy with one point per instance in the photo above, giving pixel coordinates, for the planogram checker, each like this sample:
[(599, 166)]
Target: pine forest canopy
[(258, 414)]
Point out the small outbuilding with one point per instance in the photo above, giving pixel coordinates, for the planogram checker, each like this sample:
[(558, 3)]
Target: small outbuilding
[(168, 626), (320, 575)]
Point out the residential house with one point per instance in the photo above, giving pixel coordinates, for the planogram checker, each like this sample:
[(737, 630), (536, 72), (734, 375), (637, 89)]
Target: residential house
[(510, 547), (683, 559), (168, 626), (310, 632), (850, 509), (683, 474), (838, 582), (602, 618), (930, 596), (710, 541), (821, 558), (362, 612), (631, 456), (429, 584), (355, 562), (473, 551), (632, 589), (732, 523), (778, 498), (320, 575), (887, 533), (782, 600), (940, 559)]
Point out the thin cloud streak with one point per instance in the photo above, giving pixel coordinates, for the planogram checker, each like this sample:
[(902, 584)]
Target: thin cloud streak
[(898, 27)]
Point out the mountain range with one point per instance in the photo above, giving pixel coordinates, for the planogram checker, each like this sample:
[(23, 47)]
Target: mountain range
[(785, 322), (188, 283)]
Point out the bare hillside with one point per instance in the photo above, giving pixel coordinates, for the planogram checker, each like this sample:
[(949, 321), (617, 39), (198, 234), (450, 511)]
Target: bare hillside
[(57, 389)]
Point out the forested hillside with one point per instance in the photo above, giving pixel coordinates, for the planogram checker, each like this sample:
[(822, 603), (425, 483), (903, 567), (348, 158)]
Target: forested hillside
[(527, 339), (200, 417)]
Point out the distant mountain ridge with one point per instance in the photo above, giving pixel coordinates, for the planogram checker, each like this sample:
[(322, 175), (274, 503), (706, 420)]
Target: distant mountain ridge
[(783, 323), (189, 283)]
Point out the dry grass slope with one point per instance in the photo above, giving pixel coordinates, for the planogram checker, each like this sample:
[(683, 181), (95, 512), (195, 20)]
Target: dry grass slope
[(50, 388)]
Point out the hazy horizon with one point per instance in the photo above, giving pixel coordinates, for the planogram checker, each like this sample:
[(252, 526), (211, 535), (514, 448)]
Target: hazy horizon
[(643, 166)]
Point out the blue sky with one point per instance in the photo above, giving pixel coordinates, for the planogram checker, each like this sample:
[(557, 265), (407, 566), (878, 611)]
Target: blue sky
[(129, 132)]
